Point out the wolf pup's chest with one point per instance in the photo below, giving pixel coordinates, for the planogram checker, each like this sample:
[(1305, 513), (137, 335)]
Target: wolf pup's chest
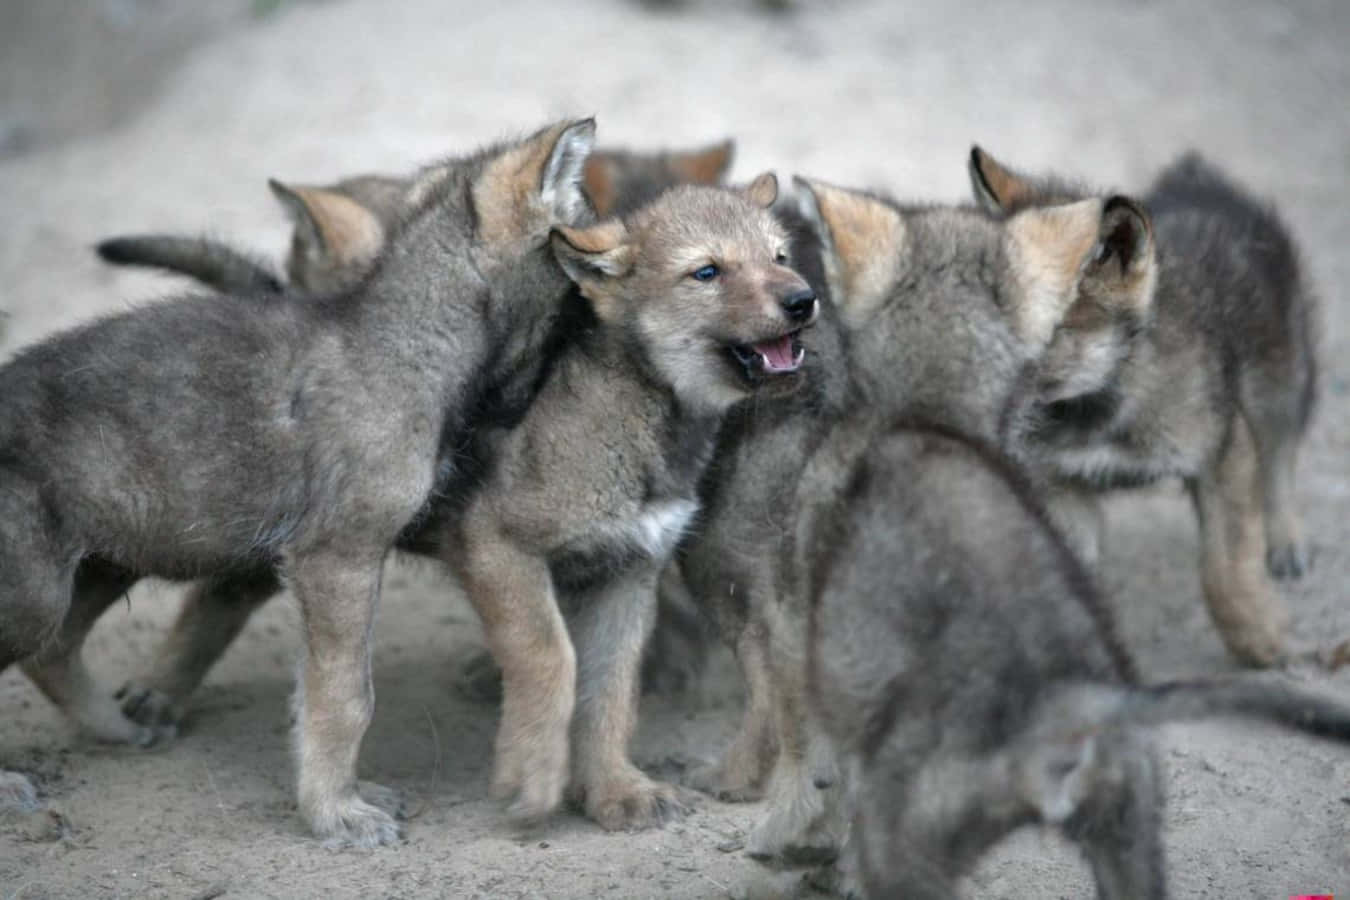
[(615, 544)]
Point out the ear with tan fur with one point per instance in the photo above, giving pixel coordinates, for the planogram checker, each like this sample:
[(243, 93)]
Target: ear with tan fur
[(863, 240), (997, 188), (340, 229), (594, 258), (598, 177), (1099, 251), (708, 165), (763, 191), (535, 184)]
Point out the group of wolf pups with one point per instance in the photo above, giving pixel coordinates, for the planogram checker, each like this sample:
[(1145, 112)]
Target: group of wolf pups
[(865, 440)]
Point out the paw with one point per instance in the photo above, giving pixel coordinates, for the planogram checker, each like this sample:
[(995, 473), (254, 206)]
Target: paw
[(635, 802), (480, 679), (530, 778), (803, 827), (1256, 648), (17, 793), (719, 781), (104, 719), (148, 706), (387, 799), (352, 822), (809, 848), (1290, 560)]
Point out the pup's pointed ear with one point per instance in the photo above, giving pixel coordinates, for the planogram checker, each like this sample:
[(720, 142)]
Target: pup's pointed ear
[(594, 258), (535, 184), (997, 188), (763, 191), (863, 241), (707, 165), (1079, 259), (599, 178), (560, 183), (1124, 251), (1046, 249), (330, 224)]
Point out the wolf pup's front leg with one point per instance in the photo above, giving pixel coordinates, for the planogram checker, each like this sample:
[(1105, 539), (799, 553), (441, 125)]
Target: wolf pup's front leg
[(512, 592), (336, 698), (610, 628)]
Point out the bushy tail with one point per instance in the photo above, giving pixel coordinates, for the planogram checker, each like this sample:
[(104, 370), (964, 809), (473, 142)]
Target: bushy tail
[(1252, 697), (211, 262)]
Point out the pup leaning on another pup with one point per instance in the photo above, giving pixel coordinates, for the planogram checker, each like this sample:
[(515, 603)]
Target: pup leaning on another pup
[(195, 437), (695, 307)]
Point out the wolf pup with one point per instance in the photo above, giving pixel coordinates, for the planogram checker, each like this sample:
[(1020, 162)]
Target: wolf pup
[(923, 297), (968, 673), (340, 228), (195, 436), (697, 309), (1201, 364)]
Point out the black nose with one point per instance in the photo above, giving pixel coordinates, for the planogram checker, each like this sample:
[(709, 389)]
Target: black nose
[(800, 305)]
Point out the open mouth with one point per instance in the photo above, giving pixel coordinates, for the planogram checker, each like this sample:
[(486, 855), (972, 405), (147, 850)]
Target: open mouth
[(778, 356)]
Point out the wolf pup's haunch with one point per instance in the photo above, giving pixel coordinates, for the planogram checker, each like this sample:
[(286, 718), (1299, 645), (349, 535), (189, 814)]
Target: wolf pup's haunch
[(966, 669)]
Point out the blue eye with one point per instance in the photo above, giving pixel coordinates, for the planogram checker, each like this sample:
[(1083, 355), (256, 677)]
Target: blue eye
[(707, 273)]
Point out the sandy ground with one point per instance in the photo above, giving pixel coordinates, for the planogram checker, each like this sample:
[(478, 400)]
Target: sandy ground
[(881, 94)]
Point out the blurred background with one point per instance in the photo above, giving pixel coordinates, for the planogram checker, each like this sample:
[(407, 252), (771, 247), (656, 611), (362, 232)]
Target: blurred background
[(121, 116)]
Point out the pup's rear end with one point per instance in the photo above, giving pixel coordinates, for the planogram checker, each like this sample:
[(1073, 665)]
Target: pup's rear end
[(968, 672)]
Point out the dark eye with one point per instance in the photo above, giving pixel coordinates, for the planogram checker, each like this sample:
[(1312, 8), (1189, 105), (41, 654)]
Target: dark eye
[(780, 258), (707, 273)]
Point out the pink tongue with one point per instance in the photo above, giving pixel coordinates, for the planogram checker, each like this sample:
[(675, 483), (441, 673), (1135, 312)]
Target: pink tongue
[(778, 355)]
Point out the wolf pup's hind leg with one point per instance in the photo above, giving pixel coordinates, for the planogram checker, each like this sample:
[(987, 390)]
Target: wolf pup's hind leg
[(1274, 409), (1251, 618), (58, 668), (1119, 824), (336, 698), (212, 615)]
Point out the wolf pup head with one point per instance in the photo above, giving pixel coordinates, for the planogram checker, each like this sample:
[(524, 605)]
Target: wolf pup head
[(619, 181), (1073, 281), (701, 279), (339, 229), (1096, 302)]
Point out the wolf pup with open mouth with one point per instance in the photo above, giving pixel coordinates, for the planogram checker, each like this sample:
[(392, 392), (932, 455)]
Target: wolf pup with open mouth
[(696, 309)]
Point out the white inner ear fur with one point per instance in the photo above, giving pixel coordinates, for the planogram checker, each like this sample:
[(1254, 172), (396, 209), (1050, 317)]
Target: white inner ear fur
[(1047, 248), (560, 187)]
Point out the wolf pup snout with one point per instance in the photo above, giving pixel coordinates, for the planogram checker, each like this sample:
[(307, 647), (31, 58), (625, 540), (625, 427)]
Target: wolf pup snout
[(800, 306)]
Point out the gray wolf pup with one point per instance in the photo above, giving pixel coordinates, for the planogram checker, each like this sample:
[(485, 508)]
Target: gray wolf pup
[(1199, 364), (197, 437), (923, 300), (968, 674), (697, 309)]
